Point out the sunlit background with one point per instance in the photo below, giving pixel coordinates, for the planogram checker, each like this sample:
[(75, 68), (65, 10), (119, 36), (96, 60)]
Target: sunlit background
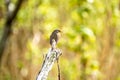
[(90, 39)]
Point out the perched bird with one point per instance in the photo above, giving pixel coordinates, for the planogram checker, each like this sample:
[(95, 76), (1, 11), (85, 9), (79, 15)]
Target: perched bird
[(54, 37)]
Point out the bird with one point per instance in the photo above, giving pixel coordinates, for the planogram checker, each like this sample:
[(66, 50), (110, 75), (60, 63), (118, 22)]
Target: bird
[(54, 37)]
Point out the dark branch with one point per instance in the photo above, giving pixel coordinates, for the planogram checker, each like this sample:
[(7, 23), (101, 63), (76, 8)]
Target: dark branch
[(58, 68), (8, 25)]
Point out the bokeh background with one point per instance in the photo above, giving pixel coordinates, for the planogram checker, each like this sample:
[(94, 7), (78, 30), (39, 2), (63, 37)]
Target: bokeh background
[(90, 39)]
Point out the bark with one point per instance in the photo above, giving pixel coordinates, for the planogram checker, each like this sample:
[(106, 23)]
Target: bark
[(50, 59)]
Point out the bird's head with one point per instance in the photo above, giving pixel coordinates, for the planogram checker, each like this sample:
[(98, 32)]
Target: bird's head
[(56, 31)]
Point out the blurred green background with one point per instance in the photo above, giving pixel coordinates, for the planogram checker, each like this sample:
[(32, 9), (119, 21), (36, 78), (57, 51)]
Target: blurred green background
[(90, 39)]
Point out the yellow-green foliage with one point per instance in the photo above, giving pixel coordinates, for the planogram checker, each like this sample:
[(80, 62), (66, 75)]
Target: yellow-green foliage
[(90, 39)]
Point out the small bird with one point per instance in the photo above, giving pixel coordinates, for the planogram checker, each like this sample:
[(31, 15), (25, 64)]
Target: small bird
[(54, 37)]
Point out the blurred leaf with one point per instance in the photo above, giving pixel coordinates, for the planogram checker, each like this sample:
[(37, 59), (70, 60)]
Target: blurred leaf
[(87, 33)]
